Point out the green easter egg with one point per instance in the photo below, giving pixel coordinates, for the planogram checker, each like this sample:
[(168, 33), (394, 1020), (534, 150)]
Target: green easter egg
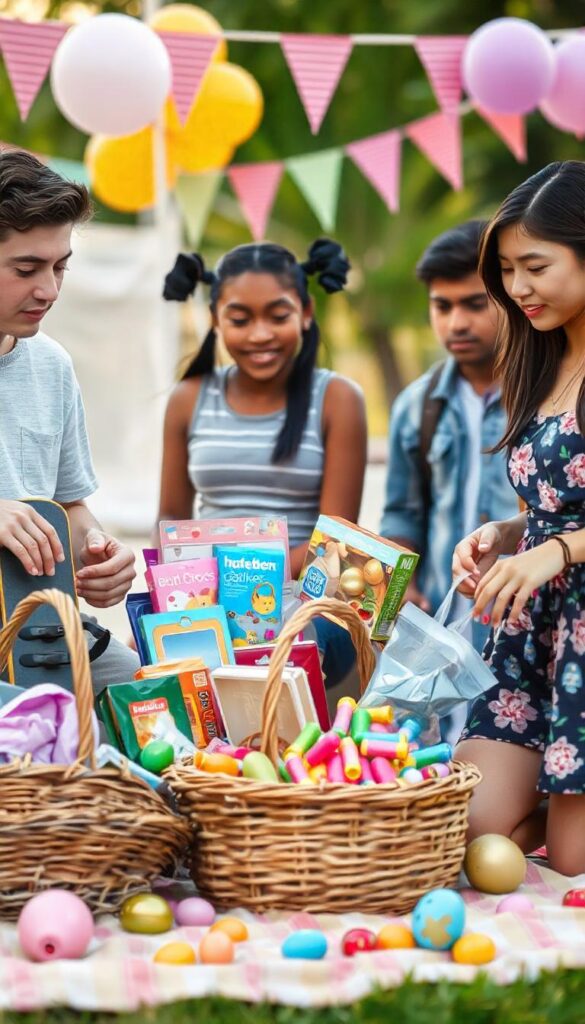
[(156, 756), (258, 766)]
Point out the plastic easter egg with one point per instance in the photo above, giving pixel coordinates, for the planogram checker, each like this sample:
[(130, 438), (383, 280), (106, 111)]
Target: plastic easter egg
[(515, 904), (146, 914), (574, 898), (494, 864), (352, 581), (156, 756), (305, 944), (179, 953), (55, 925), (438, 919), (395, 936), (233, 927), (358, 940), (373, 572), (216, 948), (194, 912), (258, 766), (473, 949)]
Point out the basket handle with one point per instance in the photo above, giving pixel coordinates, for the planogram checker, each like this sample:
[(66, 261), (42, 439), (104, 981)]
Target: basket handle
[(67, 612), (335, 610)]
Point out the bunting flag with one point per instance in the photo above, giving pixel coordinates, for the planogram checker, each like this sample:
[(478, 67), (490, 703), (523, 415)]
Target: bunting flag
[(28, 50), (195, 196), (316, 64), (378, 158), (255, 186), (318, 176), (441, 58), (510, 127), (190, 55), (439, 138)]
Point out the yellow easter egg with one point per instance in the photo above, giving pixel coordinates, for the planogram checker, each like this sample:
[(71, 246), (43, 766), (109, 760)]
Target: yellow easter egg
[(179, 953), (216, 948), (233, 927), (352, 581), (373, 572), (395, 936), (475, 949)]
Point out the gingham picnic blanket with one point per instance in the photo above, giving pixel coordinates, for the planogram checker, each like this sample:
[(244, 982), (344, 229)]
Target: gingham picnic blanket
[(118, 974)]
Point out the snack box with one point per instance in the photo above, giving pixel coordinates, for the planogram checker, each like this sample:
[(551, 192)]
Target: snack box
[(250, 590), (137, 712), (303, 654), (183, 539), (239, 692), (182, 585), (195, 681)]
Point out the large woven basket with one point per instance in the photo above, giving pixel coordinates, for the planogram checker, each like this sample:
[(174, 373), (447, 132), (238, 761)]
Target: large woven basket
[(332, 847), (101, 833)]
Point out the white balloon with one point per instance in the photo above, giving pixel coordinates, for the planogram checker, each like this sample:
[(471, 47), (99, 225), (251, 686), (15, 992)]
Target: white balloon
[(111, 74)]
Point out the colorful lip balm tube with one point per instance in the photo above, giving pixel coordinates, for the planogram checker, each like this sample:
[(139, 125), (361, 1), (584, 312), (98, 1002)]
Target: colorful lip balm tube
[(296, 768), (306, 739), (381, 727), (335, 771), (350, 758), (367, 777), (431, 755), (324, 748), (382, 714), (436, 771), (381, 747), (318, 772), (382, 770), (411, 727), (360, 723), (343, 716)]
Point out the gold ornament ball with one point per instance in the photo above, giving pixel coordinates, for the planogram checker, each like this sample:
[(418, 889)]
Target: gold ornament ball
[(373, 572), (146, 914), (352, 581), (494, 864)]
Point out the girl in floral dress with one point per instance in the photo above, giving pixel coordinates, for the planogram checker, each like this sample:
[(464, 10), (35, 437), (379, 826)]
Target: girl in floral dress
[(527, 733)]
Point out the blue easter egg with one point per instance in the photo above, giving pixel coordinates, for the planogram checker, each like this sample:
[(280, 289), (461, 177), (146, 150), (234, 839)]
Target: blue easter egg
[(306, 944), (438, 919)]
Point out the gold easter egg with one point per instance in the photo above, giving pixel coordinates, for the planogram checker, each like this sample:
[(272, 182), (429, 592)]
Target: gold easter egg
[(494, 864), (146, 914), (373, 572), (352, 581)]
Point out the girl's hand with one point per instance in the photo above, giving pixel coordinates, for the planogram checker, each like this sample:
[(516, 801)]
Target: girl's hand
[(515, 579), (476, 554)]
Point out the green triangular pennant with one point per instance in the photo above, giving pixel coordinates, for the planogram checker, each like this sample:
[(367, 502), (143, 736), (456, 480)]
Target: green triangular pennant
[(318, 176), (73, 170), (195, 195)]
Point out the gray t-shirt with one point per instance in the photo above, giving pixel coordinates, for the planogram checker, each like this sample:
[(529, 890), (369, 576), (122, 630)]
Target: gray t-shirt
[(44, 450)]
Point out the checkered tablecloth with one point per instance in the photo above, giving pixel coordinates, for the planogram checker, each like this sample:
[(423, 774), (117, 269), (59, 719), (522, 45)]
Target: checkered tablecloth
[(119, 973)]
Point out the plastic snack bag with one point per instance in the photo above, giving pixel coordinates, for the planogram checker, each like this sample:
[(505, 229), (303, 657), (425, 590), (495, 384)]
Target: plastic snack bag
[(427, 668)]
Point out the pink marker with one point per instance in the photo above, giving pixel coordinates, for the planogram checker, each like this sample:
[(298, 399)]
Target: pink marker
[(296, 769), (382, 770), (385, 748), (323, 749), (342, 721), (335, 769)]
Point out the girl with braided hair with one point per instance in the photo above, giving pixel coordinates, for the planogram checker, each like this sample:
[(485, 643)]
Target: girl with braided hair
[(272, 434)]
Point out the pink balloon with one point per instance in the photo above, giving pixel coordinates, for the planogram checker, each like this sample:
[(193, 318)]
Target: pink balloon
[(55, 925), (564, 105), (508, 66)]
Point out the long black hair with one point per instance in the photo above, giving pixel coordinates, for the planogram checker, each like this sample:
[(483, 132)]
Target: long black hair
[(326, 260), (549, 205)]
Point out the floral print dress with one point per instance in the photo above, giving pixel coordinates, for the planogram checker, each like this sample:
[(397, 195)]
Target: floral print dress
[(538, 700)]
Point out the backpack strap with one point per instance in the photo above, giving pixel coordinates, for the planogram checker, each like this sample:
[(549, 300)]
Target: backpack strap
[(432, 409)]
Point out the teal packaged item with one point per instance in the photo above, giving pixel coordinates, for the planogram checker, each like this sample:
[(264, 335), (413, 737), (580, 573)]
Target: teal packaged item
[(251, 582)]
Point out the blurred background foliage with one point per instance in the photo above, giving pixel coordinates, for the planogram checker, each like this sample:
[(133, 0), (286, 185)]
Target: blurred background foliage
[(377, 332)]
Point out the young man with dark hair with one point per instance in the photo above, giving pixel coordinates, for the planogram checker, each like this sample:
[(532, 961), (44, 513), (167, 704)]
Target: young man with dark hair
[(441, 483), (44, 450)]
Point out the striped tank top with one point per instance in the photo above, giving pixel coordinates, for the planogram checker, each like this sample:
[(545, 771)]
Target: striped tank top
[(229, 460)]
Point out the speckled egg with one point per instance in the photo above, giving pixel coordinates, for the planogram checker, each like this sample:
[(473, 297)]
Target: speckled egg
[(358, 940), (475, 949), (305, 944), (438, 919)]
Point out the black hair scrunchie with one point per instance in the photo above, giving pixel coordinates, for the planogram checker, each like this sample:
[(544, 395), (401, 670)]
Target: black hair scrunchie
[(328, 261), (182, 280)]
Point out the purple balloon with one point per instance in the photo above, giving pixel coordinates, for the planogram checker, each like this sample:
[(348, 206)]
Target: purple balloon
[(508, 66), (564, 105)]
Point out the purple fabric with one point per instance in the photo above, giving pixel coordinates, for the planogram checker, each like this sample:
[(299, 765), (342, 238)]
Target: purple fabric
[(41, 722)]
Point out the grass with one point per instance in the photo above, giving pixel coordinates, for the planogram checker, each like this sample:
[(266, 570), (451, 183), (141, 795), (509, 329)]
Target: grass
[(558, 998)]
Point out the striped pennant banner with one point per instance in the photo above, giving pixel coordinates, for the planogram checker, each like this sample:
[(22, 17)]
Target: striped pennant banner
[(255, 186), (439, 138), (441, 58), (28, 50), (378, 158), (190, 56), (316, 63), (510, 127)]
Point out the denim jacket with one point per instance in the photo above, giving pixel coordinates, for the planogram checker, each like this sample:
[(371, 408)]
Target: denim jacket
[(448, 456)]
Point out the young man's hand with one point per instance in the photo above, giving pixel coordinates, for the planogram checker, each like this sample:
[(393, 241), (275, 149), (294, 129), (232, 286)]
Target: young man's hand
[(108, 569), (30, 537)]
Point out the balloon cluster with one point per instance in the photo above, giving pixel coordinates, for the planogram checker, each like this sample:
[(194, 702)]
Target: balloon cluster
[(511, 67), (121, 159)]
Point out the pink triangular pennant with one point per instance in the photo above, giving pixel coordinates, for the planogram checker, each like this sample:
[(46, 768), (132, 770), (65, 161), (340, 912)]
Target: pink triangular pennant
[(316, 64), (441, 58), (28, 50), (255, 186), (378, 158), (439, 138), (190, 55), (510, 127)]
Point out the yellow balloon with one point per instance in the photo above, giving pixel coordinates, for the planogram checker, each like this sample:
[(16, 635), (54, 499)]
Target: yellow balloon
[(228, 108), (121, 170), (194, 153), (186, 18)]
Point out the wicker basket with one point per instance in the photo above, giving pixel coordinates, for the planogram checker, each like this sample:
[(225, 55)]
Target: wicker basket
[(101, 833), (332, 847)]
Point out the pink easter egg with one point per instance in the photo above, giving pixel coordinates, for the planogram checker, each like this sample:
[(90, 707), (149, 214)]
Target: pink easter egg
[(516, 903), (194, 911), (55, 925)]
